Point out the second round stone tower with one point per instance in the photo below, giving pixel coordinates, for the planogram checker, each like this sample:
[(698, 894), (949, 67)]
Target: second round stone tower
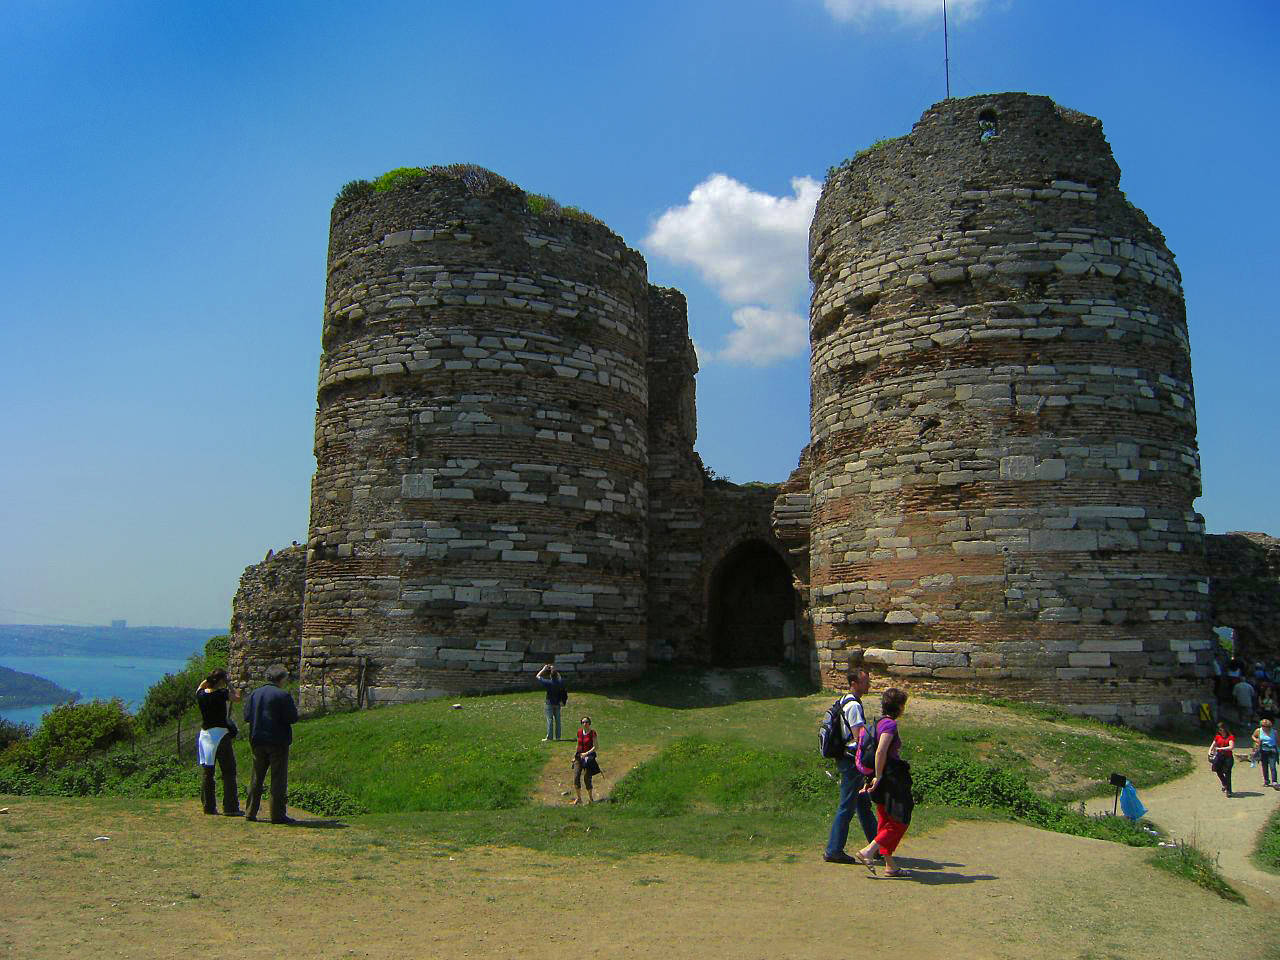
[(478, 507), (1004, 437)]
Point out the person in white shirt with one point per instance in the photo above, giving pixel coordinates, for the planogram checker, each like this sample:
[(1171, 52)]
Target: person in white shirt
[(852, 799)]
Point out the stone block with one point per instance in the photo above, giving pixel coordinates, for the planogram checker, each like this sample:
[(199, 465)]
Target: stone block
[(1089, 659)]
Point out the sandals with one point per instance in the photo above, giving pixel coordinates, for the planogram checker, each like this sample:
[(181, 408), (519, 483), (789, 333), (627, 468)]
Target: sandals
[(866, 862), (898, 874)]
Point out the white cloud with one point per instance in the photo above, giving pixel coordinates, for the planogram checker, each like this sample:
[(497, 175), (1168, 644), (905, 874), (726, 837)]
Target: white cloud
[(750, 246), (857, 11), (752, 249), (765, 336)]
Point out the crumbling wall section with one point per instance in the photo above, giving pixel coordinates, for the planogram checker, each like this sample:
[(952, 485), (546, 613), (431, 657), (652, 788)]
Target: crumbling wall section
[(1003, 423), (1244, 590), (266, 617), (676, 614)]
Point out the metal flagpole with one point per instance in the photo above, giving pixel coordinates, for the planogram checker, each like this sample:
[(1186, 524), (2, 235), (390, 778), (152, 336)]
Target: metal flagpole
[(946, 47)]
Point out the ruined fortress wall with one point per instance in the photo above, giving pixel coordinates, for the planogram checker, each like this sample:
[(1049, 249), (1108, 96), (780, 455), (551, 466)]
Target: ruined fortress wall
[(1004, 454), (676, 619), (1244, 589), (266, 617), (479, 501)]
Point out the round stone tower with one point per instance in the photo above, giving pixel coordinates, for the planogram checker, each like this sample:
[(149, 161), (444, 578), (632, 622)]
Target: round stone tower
[(478, 507), (1004, 436)]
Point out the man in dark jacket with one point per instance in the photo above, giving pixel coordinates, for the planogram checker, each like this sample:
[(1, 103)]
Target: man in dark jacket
[(270, 713)]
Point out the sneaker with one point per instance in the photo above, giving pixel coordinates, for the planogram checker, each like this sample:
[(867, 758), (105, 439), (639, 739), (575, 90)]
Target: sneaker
[(234, 813), (840, 857), (285, 821)]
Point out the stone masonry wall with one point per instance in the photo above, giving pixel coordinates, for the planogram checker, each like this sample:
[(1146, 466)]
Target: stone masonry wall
[(266, 617), (676, 616), (1244, 588), (1003, 425), (791, 518), (479, 503)]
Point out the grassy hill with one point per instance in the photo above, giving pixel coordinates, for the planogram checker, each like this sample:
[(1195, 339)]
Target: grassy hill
[(721, 764)]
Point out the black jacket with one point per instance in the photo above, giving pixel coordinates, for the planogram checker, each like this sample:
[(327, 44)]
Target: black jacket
[(271, 714)]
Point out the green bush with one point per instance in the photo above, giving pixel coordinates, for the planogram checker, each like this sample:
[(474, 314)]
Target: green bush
[(74, 731), (216, 651), (174, 694), (325, 800), (11, 733), (397, 178), (118, 774), (354, 190)]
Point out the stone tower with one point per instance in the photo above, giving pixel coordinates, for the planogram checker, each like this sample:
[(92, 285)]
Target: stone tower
[(479, 502), (1004, 454)]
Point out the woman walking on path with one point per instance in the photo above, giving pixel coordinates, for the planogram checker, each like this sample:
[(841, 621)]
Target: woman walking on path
[(1222, 756), (214, 744), (890, 786), (584, 761), (1264, 741)]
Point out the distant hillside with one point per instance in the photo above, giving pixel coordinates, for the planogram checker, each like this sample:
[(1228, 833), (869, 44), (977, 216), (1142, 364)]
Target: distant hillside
[(19, 689), (174, 643)]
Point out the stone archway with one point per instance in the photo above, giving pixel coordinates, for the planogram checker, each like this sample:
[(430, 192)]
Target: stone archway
[(750, 603)]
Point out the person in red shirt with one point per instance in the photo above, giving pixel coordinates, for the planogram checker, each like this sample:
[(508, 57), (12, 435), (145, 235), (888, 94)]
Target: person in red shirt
[(584, 761), (1222, 756)]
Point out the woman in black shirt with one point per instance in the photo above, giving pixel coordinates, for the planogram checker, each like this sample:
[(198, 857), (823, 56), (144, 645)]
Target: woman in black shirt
[(215, 743)]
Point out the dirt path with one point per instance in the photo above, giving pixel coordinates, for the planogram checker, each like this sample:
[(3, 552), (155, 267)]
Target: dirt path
[(555, 786), (1194, 808), (168, 875)]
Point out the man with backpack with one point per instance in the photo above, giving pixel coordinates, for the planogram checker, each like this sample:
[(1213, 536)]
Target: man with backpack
[(846, 715)]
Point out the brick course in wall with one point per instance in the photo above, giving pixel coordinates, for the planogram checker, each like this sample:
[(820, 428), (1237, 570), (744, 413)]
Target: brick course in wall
[(1003, 426)]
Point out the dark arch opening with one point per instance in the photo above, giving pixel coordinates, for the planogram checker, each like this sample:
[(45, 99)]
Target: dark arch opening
[(751, 601)]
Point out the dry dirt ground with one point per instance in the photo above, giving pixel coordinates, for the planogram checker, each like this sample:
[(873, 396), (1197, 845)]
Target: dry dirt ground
[(170, 882)]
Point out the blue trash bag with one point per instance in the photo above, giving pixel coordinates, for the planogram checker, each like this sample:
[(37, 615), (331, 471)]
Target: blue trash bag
[(1130, 805)]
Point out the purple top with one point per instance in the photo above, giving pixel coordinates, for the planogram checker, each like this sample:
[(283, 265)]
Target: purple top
[(885, 727)]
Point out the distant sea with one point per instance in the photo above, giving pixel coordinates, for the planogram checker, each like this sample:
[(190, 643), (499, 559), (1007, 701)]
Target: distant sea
[(96, 678)]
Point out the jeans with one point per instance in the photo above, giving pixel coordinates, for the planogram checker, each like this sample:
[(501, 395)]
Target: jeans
[(275, 757), (553, 721), (226, 759), (1268, 758), (851, 798)]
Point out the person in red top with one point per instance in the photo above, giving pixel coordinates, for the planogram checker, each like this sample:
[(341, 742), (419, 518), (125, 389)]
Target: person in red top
[(584, 761), (1222, 756)]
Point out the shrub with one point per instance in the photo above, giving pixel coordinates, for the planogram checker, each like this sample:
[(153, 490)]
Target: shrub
[(354, 190), (325, 800), (11, 733), (172, 695), (75, 731), (216, 652), (397, 178)]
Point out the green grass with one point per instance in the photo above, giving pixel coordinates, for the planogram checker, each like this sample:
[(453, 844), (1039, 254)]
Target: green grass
[(1191, 863), (731, 768), (1266, 855)]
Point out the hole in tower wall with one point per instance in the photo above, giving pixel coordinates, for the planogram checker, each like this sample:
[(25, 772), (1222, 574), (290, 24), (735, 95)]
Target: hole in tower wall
[(989, 124), (751, 600)]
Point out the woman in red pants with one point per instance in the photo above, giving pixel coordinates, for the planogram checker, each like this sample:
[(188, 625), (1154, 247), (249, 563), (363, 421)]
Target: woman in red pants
[(890, 786)]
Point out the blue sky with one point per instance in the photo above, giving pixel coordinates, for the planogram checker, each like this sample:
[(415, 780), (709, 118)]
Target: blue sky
[(169, 169)]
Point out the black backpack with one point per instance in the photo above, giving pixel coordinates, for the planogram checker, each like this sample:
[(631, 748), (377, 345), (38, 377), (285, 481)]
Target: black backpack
[(869, 742), (832, 732)]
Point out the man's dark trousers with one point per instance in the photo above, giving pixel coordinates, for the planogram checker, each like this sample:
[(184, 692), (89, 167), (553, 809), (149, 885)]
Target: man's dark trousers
[(275, 756), (851, 798)]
